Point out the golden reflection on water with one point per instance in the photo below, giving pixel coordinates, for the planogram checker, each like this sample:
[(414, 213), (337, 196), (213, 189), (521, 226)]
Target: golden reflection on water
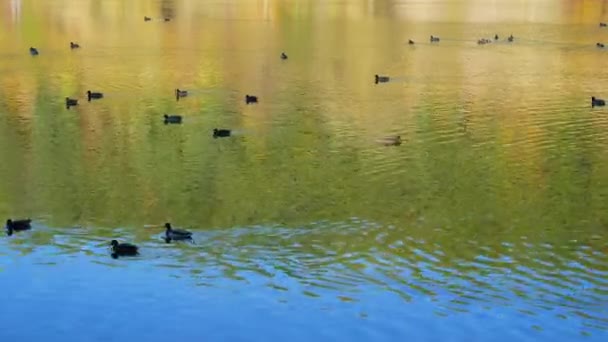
[(501, 156)]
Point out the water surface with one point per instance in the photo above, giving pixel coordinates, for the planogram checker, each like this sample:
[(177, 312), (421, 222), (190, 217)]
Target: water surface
[(489, 221)]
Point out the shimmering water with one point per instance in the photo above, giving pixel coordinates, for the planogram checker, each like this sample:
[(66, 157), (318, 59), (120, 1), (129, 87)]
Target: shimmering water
[(489, 221)]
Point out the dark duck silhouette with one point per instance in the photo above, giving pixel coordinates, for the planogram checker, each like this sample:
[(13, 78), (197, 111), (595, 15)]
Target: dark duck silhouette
[(176, 234), (381, 79), (173, 119), (283, 56), (434, 39), (603, 25), (597, 102), (394, 140), (74, 45), (34, 51), (495, 37), (167, 19), (180, 93), (123, 249), (411, 42), (147, 18), (220, 133), (17, 226), (599, 45), (510, 39), (93, 95), (251, 99), (70, 102)]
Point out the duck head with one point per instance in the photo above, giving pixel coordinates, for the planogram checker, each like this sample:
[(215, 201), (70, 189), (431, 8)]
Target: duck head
[(168, 226), (114, 243)]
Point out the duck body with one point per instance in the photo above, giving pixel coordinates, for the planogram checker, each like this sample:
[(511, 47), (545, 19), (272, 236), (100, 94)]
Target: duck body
[(283, 56), (391, 140), (173, 119), (147, 18), (74, 45), (597, 102), (123, 249), (176, 234), (411, 42), (495, 37), (603, 25), (381, 79), (483, 41), (70, 102), (17, 226), (220, 133), (180, 93), (510, 39), (93, 95), (434, 39), (34, 51), (251, 99)]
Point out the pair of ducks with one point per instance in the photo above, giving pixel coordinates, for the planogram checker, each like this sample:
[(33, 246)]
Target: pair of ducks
[(69, 102), (179, 93), (35, 52), (128, 249), (148, 19), (599, 45)]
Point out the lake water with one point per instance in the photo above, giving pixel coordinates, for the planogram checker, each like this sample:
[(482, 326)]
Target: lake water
[(488, 222)]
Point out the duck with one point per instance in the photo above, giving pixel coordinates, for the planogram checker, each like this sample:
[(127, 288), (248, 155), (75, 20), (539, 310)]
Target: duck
[(603, 25), (180, 93), (70, 102), (147, 18), (496, 37), (251, 99), (597, 102), (93, 95), (123, 249), (381, 79), (411, 42), (434, 39), (599, 45), (218, 133), (17, 226), (173, 119), (510, 39), (283, 56), (176, 234), (394, 140), (167, 19), (34, 51), (74, 45)]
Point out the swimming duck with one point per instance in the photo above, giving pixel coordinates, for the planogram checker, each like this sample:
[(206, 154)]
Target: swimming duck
[(180, 93), (251, 99), (173, 119), (603, 25), (218, 133), (510, 39), (434, 39), (33, 51), (93, 95), (411, 42), (147, 18), (599, 45), (167, 19), (495, 37), (123, 249), (597, 102), (176, 234), (70, 102), (392, 140), (17, 226), (74, 45), (381, 79), (283, 55)]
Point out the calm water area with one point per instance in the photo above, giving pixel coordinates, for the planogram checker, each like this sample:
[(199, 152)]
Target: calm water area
[(489, 222)]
